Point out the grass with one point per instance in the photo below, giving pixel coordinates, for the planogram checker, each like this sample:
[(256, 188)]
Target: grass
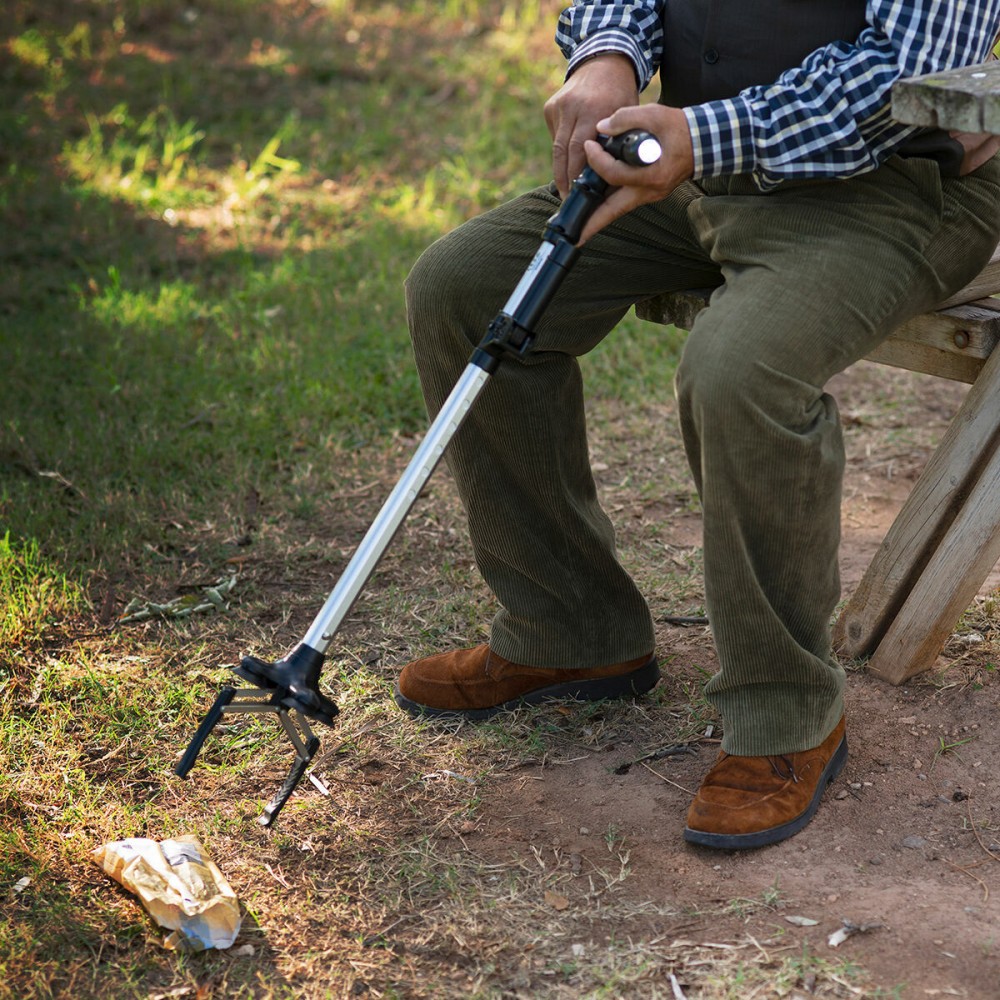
[(34, 593), (209, 212)]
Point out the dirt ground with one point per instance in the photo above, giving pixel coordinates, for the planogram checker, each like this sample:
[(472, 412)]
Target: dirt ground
[(555, 867), (907, 843)]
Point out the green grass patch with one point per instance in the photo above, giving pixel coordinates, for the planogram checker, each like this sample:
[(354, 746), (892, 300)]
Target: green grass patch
[(212, 212), (33, 594)]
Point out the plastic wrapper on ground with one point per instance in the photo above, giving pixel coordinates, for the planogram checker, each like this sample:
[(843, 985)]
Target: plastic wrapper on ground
[(180, 886)]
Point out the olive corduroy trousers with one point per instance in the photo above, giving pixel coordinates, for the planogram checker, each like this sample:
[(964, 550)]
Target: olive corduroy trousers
[(809, 278)]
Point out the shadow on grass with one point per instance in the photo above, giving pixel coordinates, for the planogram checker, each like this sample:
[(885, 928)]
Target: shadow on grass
[(112, 949), (192, 319), (185, 324)]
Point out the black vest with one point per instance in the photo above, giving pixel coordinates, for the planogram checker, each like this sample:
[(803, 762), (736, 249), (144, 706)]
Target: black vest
[(713, 49)]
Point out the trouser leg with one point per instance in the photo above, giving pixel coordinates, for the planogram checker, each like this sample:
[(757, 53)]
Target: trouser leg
[(541, 540), (815, 277)]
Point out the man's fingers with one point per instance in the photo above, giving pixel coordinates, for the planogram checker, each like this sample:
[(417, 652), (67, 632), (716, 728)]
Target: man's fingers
[(617, 204), (559, 166), (614, 171), (624, 119), (593, 90), (569, 157)]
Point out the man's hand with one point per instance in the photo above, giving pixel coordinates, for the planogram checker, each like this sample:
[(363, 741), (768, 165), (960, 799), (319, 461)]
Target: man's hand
[(979, 147), (597, 88), (639, 185)]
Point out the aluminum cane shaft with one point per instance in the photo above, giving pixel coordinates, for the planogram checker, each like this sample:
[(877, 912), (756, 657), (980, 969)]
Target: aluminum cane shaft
[(396, 507)]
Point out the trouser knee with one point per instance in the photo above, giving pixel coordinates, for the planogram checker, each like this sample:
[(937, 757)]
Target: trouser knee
[(713, 383), (722, 381), (450, 300)]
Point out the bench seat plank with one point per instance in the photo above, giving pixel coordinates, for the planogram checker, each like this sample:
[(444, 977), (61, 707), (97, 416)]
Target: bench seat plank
[(950, 343), (966, 100)]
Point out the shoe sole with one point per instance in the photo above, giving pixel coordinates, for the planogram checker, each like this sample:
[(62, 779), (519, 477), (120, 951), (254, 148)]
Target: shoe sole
[(761, 838), (631, 685)]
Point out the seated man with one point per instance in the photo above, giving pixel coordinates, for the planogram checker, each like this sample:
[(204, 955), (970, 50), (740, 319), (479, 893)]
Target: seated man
[(823, 224)]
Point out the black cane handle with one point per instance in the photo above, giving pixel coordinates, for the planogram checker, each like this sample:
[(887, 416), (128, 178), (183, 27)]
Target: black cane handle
[(636, 147)]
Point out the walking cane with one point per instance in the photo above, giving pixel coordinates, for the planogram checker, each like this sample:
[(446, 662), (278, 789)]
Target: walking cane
[(289, 687)]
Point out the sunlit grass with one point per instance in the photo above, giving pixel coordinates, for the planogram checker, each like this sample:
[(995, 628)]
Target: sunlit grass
[(33, 593)]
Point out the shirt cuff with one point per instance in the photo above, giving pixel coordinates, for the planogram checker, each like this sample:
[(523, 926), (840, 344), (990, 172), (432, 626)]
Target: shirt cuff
[(612, 40), (722, 137)]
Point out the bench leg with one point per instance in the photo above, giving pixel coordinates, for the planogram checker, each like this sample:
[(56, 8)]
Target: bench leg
[(947, 586), (938, 551)]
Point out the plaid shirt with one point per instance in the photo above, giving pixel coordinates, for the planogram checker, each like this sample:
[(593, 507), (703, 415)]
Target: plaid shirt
[(830, 116)]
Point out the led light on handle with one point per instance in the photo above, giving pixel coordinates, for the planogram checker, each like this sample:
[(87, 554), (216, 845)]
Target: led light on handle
[(636, 147)]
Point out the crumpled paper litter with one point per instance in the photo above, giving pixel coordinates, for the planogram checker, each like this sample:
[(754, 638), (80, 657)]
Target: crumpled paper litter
[(179, 885)]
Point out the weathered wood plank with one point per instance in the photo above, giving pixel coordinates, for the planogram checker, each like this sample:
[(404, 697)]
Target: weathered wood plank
[(678, 309), (966, 100), (950, 343), (915, 357), (935, 504), (948, 583)]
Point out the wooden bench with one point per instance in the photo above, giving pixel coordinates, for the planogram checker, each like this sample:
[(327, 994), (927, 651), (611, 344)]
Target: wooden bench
[(946, 538)]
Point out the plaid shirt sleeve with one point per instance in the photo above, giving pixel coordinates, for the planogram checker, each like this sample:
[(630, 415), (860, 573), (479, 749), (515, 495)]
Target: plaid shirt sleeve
[(829, 117), (590, 27)]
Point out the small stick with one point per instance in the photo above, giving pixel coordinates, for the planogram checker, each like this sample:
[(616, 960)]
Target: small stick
[(663, 777), (676, 987)]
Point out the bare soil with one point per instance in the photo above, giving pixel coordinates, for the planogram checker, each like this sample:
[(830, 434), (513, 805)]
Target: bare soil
[(907, 842)]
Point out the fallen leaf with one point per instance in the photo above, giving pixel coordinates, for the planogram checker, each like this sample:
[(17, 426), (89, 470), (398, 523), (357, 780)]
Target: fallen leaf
[(556, 901), (802, 921)]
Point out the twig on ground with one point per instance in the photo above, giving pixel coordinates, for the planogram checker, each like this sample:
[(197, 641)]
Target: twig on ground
[(975, 830), (663, 777), (965, 871)]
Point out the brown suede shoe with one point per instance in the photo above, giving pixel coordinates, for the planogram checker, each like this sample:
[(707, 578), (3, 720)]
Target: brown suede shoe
[(476, 683), (753, 801)]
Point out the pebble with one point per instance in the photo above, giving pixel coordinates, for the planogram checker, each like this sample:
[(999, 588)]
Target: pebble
[(914, 842)]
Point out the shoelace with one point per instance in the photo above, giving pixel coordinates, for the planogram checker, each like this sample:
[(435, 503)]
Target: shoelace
[(773, 761)]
